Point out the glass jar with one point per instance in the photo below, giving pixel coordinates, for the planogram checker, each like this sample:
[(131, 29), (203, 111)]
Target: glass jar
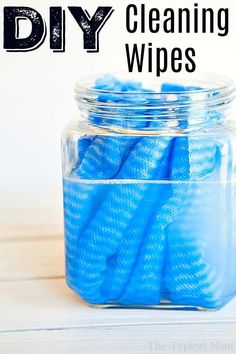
[(150, 193)]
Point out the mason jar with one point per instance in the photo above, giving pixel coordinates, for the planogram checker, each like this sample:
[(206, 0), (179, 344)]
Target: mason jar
[(149, 171)]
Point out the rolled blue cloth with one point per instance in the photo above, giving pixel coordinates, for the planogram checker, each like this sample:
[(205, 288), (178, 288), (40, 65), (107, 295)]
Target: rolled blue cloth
[(142, 241)]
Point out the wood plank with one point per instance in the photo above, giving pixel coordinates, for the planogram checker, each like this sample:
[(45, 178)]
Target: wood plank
[(210, 338), (50, 304), (28, 223), (32, 259)]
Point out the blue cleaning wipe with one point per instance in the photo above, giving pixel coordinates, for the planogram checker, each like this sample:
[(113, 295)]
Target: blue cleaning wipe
[(140, 243)]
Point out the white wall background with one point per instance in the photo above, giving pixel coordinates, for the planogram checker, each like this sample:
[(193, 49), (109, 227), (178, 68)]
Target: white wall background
[(36, 101)]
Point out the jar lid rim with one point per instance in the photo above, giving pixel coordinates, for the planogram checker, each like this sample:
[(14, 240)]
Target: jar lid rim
[(206, 83)]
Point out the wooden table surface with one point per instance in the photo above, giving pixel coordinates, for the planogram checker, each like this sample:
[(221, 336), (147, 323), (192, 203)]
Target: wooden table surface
[(39, 314)]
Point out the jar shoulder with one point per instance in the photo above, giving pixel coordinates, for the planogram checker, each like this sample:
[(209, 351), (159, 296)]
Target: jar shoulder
[(77, 128)]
